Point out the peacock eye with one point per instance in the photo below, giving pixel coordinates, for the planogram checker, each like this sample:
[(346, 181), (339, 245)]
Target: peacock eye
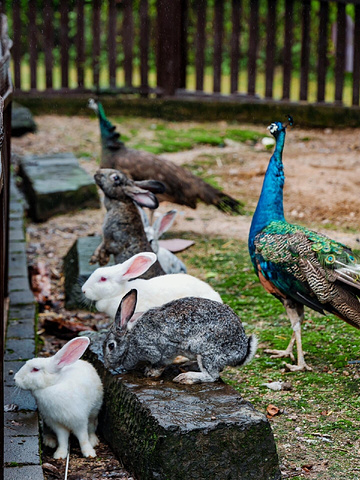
[(111, 346), (103, 279), (35, 370)]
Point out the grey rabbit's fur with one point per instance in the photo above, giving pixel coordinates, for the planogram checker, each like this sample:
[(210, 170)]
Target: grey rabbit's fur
[(123, 231), (197, 328)]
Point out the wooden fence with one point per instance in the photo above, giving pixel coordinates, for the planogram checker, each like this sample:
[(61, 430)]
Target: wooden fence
[(273, 49), (5, 134)]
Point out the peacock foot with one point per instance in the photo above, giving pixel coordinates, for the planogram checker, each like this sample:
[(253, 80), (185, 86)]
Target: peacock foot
[(281, 353), (298, 368)]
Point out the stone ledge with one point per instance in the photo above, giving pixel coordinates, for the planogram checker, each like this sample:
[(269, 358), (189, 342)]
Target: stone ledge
[(55, 184), (161, 430)]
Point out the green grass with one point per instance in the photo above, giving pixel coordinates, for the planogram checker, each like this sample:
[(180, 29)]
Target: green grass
[(323, 405)]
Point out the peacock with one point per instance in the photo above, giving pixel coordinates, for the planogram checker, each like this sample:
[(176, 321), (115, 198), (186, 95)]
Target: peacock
[(182, 186), (298, 266)]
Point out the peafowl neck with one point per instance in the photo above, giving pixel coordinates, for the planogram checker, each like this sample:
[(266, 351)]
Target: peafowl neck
[(270, 206), (109, 136)]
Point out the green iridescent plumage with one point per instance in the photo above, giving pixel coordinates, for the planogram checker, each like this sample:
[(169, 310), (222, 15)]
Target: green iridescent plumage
[(297, 265)]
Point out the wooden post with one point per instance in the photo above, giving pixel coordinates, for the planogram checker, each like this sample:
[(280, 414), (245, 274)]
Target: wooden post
[(200, 43), (235, 45), (305, 50), (144, 46), (340, 51), (253, 45), (169, 17), (356, 68), (288, 41), (80, 43), (322, 51), (270, 48)]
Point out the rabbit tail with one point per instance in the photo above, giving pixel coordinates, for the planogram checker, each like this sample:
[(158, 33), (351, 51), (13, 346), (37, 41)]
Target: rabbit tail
[(251, 350)]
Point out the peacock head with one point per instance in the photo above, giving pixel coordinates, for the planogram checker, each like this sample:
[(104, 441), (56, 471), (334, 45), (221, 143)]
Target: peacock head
[(277, 127)]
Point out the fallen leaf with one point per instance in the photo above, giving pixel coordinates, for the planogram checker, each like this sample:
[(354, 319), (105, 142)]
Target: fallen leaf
[(272, 410)]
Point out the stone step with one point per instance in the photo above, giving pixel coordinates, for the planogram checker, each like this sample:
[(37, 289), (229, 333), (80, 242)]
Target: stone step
[(77, 269), (56, 184), (165, 431)]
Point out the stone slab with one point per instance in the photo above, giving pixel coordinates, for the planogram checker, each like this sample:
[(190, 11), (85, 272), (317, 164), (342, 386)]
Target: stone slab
[(22, 450), (28, 472), (20, 329), (18, 247), (22, 121), (13, 395), (18, 284), (77, 269), (161, 430), (21, 297), (56, 184), (19, 349), (23, 312), (17, 265), (21, 424)]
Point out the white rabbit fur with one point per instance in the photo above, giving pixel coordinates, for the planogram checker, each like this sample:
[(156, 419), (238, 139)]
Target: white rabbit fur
[(107, 285), (169, 262), (68, 393)]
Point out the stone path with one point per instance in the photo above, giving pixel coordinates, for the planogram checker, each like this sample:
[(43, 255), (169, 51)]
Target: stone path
[(21, 453)]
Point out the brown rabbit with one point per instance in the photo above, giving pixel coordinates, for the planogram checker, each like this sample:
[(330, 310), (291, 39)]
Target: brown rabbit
[(123, 230)]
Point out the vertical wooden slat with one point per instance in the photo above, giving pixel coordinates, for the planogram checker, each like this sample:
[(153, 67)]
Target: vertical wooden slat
[(218, 41), (288, 41), (200, 43), (305, 50), (168, 45), (183, 42), (64, 43), (80, 43), (144, 46), (270, 48), (356, 68), (253, 45), (340, 51), (32, 42), (322, 51), (48, 42), (16, 49), (96, 42), (235, 45), (112, 42), (128, 40)]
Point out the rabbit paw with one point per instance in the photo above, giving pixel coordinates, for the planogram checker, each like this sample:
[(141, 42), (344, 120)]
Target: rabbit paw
[(50, 440), (93, 439), (60, 453), (87, 450)]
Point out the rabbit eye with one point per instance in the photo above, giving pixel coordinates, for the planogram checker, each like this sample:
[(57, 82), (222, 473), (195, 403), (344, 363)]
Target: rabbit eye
[(35, 370), (103, 279), (116, 179), (111, 346)]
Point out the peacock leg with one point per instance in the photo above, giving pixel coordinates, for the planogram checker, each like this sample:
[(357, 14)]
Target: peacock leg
[(284, 353), (295, 313)]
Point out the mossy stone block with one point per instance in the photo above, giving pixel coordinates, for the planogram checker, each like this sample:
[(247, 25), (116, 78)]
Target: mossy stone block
[(56, 184), (77, 269), (165, 431)]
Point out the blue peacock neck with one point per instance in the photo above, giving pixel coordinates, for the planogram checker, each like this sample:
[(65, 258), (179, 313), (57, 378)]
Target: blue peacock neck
[(270, 205)]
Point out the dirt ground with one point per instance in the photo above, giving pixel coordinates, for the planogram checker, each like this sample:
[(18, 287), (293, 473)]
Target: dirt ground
[(322, 169)]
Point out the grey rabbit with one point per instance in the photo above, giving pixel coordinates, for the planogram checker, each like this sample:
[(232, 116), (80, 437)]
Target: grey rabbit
[(197, 328), (123, 230)]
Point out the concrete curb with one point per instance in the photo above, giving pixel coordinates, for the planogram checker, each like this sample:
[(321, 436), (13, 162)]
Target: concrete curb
[(22, 458)]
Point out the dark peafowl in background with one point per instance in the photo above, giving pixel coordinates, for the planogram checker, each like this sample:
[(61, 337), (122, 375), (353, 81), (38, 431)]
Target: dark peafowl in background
[(182, 186), (297, 265)]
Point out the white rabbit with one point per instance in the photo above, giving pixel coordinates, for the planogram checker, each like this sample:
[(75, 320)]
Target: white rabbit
[(169, 262), (107, 285), (69, 394)]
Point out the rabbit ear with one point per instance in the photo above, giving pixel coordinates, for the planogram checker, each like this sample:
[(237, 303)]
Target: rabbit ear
[(144, 216), (70, 352), (152, 185), (126, 309), (166, 221), (136, 265), (144, 198)]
